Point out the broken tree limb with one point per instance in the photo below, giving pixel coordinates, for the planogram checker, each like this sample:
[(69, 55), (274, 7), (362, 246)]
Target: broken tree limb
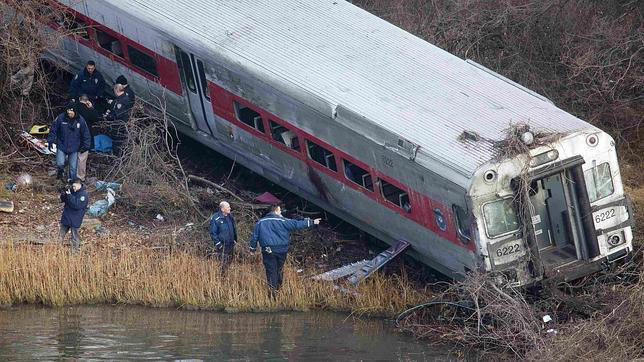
[(220, 188)]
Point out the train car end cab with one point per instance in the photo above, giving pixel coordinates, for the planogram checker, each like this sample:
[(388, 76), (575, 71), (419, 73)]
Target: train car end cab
[(559, 212)]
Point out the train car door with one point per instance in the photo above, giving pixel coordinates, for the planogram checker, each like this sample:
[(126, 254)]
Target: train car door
[(194, 77)]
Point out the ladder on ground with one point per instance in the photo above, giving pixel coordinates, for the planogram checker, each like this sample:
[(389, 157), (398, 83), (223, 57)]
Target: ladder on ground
[(361, 270)]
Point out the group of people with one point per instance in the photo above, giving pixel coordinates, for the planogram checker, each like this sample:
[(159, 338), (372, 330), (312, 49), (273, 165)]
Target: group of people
[(271, 235), (71, 137), (72, 133)]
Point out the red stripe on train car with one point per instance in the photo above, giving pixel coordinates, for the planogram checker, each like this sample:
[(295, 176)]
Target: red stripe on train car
[(423, 210), (167, 69)]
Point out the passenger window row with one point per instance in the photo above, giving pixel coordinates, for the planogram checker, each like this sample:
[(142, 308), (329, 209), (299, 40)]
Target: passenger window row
[(321, 155), (106, 40)]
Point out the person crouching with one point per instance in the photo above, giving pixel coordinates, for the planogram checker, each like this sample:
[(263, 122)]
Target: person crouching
[(76, 199)]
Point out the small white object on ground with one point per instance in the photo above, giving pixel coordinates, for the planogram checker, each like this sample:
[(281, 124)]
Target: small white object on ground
[(546, 318), (160, 217)]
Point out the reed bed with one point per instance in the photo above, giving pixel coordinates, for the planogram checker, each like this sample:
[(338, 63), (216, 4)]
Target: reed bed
[(51, 275)]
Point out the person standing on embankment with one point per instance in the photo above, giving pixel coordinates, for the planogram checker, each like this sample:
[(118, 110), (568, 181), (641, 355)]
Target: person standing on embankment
[(273, 232), (223, 232), (76, 200), (70, 134)]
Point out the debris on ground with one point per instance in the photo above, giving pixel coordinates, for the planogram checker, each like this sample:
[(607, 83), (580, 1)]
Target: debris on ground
[(6, 206), (100, 207), (11, 186), (160, 217), (103, 185), (267, 198)]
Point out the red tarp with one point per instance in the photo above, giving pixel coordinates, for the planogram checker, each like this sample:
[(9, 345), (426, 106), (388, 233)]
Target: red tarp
[(267, 198)]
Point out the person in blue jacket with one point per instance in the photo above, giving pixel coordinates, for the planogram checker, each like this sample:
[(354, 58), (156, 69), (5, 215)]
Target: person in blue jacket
[(223, 233), (273, 233), (89, 82), (70, 134), (76, 200)]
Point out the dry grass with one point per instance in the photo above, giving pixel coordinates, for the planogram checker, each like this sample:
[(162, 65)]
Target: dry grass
[(53, 276)]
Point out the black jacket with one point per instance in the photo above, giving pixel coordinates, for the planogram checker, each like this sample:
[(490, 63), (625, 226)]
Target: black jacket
[(69, 135), (75, 206), (84, 83)]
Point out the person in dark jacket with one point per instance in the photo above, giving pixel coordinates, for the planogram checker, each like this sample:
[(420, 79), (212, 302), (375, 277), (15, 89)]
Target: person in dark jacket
[(223, 232), (273, 233), (89, 81), (70, 135), (76, 200), (129, 92), (117, 116), (86, 109)]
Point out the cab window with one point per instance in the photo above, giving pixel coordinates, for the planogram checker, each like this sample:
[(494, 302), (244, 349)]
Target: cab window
[(599, 182), (500, 218)]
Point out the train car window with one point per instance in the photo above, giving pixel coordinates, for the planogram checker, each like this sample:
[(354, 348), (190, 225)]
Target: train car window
[(74, 26), (109, 43), (500, 218), (463, 222), (202, 76), (599, 182), (358, 175), (249, 117), (284, 136), (142, 61), (322, 156), (395, 195), (184, 59)]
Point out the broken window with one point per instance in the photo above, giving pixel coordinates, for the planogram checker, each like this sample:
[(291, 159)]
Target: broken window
[(249, 117), (142, 61), (77, 27), (599, 182), (463, 222), (284, 136), (358, 175), (109, 43), (395, 195), (500, 218), (322, 156)]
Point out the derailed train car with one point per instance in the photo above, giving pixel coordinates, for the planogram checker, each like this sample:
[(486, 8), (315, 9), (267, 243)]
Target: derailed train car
[(385, 130)]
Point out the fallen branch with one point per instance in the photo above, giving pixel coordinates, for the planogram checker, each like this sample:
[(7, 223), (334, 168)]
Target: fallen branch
[(220, 188)]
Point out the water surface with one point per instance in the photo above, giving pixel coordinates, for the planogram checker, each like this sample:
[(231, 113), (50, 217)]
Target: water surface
[(126, 332)]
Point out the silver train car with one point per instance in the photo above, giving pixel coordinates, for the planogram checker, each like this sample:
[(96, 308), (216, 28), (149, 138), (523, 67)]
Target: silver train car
[(377, 126)]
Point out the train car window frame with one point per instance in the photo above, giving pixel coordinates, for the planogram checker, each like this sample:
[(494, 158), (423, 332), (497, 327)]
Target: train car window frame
[(78, 27), (249, 117), (463, 220), (327, 160), (112, 41), (135, 55), (402, 200), (187, 73), (486, 219), (364, 179), (287, 137), (201, 68), (599, 175)]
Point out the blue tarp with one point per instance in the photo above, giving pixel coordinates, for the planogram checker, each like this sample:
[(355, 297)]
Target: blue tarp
[(102, 143)]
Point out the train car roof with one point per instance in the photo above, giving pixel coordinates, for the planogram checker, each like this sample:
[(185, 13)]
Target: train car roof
[(350, 58)]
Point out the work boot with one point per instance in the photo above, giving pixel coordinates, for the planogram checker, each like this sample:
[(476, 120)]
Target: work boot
[(59, 174)]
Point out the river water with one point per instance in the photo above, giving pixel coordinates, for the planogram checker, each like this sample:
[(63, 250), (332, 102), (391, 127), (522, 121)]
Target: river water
[(126, 332)]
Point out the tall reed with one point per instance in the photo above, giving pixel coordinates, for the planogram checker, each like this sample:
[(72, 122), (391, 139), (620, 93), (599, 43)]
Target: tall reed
[(53, 276)]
